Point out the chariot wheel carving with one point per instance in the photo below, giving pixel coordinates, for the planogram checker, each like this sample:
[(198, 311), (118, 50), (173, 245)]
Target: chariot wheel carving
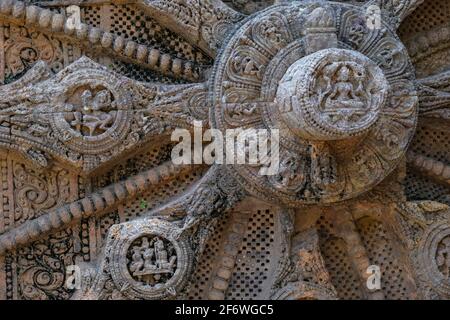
[(334, 102), (354, 97)]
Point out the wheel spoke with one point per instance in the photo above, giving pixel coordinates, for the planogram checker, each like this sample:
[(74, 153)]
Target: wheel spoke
[(112, 113), (434, 96), (204, 23), (126, 50), (436, 170)]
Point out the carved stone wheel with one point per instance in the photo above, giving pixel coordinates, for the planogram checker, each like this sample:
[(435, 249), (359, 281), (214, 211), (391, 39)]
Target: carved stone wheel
[(355, 94), (334, 97), (163, 262), (434, 257)]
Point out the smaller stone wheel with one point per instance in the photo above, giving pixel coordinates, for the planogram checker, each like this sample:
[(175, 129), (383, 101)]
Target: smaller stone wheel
[(149, 259), (102, 103), (345, 111), (434, 257)]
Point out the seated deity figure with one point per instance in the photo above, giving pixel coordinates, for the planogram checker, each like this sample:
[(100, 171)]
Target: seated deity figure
[(341, 92), (142, 259)]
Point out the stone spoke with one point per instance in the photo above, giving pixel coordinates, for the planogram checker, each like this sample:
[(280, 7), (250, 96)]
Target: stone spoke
[(213, 194), (18, 13), (111, 113), (173, 224), (244, 114), (94, 204), (173, 106), (434, 96), (205, 23), (436, 170)]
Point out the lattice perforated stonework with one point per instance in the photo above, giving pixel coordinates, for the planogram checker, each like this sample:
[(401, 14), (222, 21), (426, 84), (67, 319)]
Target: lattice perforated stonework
[(430, 14), (253, 263), (343, 275), (381, 253), (150, 158), (131, 23), (202, 276), (432, 142), (92, 16), (104, 223), (145, 160), (422, 188), (160, 194)]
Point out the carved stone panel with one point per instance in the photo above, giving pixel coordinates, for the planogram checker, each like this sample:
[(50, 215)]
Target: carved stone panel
[(351, 97)]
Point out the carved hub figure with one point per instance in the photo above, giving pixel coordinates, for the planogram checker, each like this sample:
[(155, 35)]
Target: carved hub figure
[(93, 114), (333, 94), (331, 97), (152, 260), (87, 177)]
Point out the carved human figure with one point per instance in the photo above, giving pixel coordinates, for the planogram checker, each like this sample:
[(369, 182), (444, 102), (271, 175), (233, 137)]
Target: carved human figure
[(272, 30), (151, 257), (323, 166), (443, 257), (28, 55), (242, 110), (162, 260), (137, 262), (247, 66), (343, 94), (291, 174), (96, 117), (94, 114), (148, 254)]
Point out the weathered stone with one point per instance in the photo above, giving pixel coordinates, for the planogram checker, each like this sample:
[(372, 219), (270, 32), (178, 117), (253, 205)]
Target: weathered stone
[(90, 97)]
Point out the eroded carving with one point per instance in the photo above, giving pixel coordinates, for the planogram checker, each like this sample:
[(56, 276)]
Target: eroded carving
[(95, 115), (146, 259), (152, 260), (341, 94), (443, 257), (328, 102)]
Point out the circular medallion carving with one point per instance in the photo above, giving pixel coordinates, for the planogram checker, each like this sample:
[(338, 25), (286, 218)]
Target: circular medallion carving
[(148, 260), (94, 112), (434, 257), (152, 260), (342, 100), (331, 94)]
